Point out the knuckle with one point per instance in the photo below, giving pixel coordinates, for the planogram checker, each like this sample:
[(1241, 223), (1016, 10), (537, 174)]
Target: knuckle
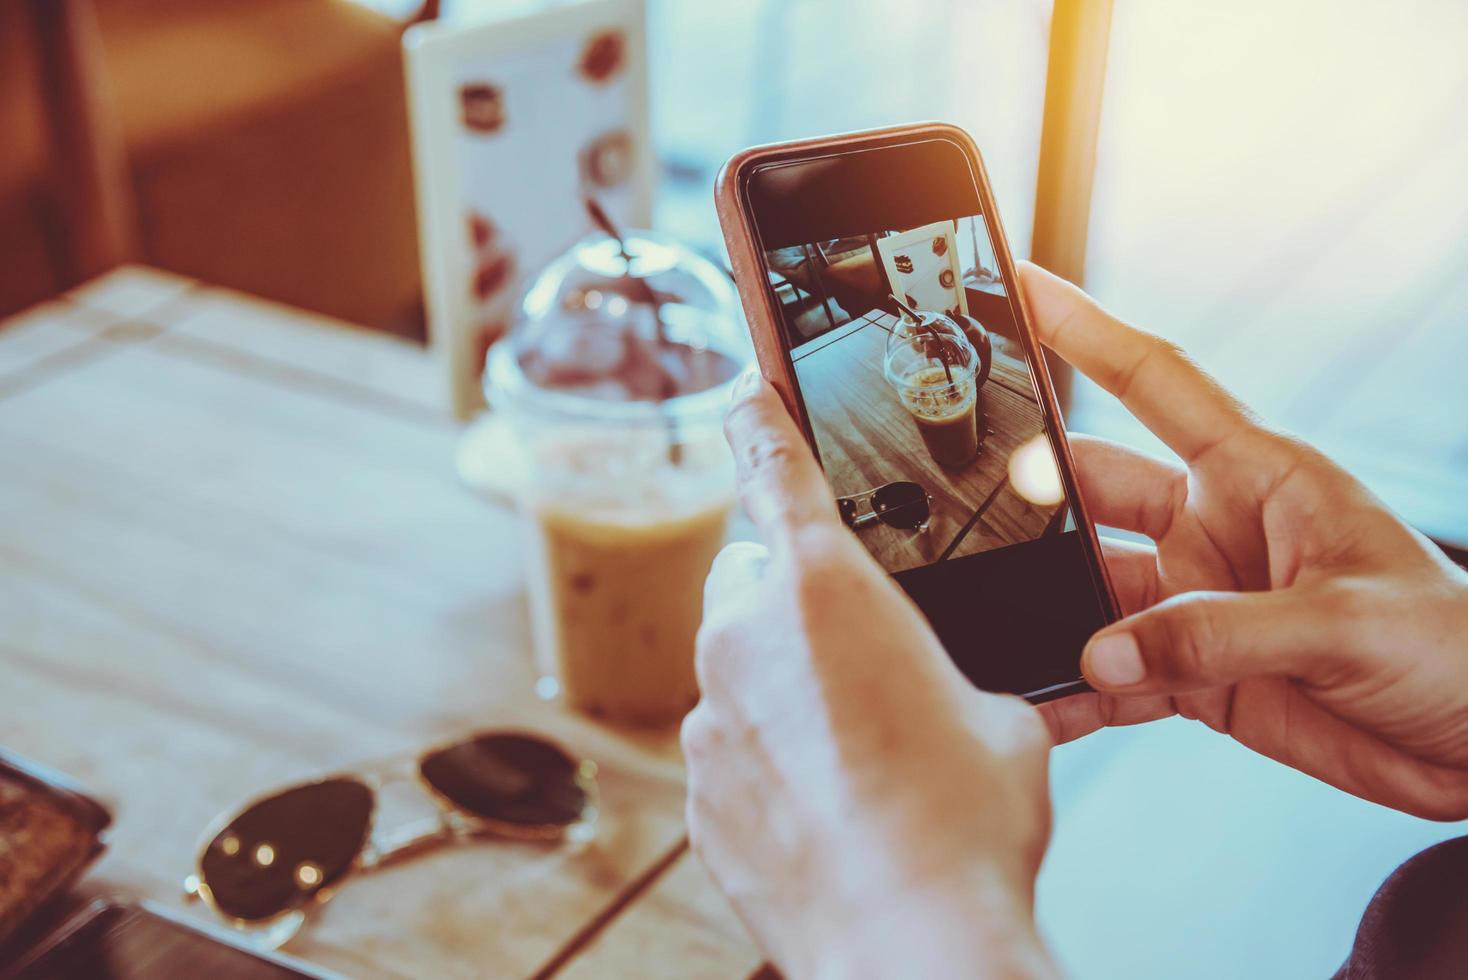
[(1026, 736), (1453, 800), (765, 456), (1441, 795), (698, 738), (1034, 734), (743, 414), (712, 646), (1177, 502), (748, 422)]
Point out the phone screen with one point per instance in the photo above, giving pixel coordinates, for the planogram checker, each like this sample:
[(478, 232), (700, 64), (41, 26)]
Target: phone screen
[(915, 378)]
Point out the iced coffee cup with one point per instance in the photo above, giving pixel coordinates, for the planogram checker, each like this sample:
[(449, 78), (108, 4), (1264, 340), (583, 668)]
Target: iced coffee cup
[(933, 369), (615, 383)]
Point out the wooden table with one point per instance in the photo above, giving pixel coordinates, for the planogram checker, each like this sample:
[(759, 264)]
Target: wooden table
[(867, 438), (233, 554)]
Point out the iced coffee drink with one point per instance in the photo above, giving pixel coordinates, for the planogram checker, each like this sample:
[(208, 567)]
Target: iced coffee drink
[(616, 392), (619, 604), (933, 369), (945, 415)]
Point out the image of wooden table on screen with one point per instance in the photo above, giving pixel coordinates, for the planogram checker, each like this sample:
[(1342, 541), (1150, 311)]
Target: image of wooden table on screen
[(917, 406)]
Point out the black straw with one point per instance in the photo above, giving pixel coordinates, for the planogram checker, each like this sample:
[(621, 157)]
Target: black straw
[(942, 355), (667, 385)]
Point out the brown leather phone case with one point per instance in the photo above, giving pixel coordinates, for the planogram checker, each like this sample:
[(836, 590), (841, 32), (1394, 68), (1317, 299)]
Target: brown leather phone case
[(50, 831)]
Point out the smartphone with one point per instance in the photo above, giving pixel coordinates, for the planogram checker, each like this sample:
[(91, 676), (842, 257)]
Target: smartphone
[(111, 940), (884, 308)]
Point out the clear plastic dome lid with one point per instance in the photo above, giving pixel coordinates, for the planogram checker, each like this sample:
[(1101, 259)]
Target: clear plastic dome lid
[(639, 320), (931, 352)]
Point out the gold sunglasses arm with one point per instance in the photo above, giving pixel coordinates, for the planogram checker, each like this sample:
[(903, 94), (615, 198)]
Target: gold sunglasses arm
[(406, 841)]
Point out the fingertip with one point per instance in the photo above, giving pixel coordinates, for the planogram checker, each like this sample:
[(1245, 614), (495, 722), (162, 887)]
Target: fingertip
[(747, 384), (749, 408), (1030, 272), (1040, 277), (779, 481), (1051, 299), (1114, 660)]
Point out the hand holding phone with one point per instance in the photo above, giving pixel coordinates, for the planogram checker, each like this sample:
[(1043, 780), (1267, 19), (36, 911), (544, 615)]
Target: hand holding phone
[(1279, 588), (854, 796), (868, 810), (885, 311)]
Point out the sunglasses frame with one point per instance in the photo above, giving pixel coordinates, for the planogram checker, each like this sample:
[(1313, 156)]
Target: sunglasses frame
[(451, 824), (861, 521)]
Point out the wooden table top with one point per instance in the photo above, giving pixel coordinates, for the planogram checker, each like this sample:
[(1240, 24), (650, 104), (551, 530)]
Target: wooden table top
[(867, 439), (235, 554)]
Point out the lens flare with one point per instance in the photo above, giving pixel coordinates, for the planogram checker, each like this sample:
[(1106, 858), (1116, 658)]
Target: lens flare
[(308, 875), (1033, 475)]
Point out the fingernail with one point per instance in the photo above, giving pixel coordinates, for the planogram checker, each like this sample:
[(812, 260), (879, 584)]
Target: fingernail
[(747, 381), (1115, 660)]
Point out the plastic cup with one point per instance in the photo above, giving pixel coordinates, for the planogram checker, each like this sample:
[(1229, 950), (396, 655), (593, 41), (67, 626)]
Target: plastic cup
[(625, 499), (934, 370)]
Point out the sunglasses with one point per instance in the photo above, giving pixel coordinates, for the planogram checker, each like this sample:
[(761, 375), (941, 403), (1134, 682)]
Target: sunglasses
[(903, 505), (263, 867)]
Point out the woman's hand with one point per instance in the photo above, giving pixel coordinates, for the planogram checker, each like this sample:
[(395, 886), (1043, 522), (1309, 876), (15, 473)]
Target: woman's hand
[(1283, 604), (866, 810)]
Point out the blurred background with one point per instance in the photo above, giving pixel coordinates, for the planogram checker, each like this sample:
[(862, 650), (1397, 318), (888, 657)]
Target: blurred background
[(1278, 187)]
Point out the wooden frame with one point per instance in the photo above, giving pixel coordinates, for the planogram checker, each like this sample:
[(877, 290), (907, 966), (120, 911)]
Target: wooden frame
[(1080, 35), (919, 238)]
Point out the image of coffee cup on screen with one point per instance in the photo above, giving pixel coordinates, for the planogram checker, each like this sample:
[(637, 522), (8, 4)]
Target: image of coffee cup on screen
[(918, 391)]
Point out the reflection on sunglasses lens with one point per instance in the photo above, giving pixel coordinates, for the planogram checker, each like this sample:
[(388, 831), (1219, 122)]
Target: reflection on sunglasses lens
[(901, 505), (281, 851), (513, 779)]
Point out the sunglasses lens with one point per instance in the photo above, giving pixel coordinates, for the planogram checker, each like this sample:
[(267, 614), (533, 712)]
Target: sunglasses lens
[(901, 505), (513, 779), (278, 853), (847, 509)]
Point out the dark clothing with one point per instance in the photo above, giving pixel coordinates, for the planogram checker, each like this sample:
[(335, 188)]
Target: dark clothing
[(1417, 924)]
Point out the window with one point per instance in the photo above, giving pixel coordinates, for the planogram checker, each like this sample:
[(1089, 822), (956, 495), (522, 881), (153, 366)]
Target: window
[(1280, 188)]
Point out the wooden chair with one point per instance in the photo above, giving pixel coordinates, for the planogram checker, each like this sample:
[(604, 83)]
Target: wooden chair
[(238, 186), (94, 205), (65, 205)]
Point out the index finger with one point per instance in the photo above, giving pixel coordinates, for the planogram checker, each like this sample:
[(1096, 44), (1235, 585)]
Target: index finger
[(1154, 379), (780, 483)]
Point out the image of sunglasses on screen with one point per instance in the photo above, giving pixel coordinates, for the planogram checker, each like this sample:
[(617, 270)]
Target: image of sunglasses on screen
[(263, 867), (903, 505)]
